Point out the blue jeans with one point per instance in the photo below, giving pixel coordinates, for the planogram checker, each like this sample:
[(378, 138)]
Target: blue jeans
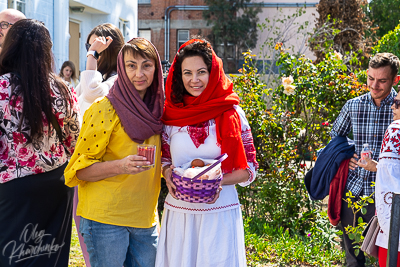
[(111, 245)]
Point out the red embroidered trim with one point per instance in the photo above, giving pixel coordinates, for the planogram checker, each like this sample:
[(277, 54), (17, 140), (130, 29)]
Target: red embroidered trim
[(198, 133), (389, 158), (247, 139), (391, 141), (214, 208)]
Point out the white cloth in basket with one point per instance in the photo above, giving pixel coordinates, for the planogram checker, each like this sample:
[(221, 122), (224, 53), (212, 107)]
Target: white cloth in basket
[(190, 172)]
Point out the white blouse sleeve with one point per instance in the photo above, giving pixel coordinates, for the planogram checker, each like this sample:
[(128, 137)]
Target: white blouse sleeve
[(92, 87), (248, 144)]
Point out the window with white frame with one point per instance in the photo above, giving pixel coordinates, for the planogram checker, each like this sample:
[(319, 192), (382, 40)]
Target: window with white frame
[(144, 2), (183, 37), (17, 4), (145, 34), (123, 27)]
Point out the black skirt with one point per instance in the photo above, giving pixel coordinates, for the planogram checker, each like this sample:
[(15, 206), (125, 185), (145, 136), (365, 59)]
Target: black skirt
[(36, 220)]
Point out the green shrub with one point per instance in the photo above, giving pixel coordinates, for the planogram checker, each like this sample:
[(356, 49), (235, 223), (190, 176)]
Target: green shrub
[(278, 246), (390, 42), (297, 124)]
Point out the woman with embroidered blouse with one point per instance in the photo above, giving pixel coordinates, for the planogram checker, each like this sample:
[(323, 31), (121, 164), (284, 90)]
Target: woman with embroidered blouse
[(202, 121), (387, 180), (38, 130), (117, 193)]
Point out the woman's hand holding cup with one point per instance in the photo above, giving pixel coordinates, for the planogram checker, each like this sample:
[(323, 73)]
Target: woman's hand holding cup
[(133, 164)]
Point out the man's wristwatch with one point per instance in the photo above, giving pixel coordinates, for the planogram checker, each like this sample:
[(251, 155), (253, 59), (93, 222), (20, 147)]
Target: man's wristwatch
[(93, 53)]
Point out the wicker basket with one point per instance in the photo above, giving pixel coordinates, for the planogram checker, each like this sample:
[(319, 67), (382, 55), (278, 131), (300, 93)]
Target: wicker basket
[(195, 190)]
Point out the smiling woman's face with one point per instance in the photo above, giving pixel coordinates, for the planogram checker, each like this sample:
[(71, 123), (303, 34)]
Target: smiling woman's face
[(140, 72), (195, 75)]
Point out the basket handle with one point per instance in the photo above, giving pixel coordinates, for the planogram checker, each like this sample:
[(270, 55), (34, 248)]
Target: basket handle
[(219, 160)]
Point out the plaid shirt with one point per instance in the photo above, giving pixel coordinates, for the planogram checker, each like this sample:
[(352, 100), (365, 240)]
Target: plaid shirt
[(368, 123)]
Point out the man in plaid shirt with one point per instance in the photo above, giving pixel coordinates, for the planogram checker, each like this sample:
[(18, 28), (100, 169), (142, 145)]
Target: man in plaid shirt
[(367, 117)]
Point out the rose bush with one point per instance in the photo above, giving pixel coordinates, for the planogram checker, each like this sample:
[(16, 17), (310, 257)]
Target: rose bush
[(287, 133)]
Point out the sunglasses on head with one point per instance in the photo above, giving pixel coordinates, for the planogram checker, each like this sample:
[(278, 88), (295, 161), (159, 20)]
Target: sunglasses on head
[(396, 103)]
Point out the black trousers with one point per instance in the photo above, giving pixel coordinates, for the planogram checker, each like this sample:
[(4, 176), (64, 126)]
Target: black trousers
[(347, 218), (36, 220)]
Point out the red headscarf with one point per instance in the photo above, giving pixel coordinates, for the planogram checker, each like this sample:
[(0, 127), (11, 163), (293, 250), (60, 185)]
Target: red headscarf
[(215, 102)]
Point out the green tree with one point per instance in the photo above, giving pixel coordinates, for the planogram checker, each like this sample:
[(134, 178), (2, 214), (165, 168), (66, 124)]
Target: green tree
[(390, 42), (234, 22), (384, 14)]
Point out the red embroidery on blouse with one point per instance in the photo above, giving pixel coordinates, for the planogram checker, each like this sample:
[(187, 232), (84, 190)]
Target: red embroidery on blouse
[(385, 140), (165, 148), (395, 129), (249, 148), (389, 158), (210, 209), (198, 133), (391, 141)]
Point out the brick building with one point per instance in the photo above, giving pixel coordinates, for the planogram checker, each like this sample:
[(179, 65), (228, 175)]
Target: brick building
[(184, 17)]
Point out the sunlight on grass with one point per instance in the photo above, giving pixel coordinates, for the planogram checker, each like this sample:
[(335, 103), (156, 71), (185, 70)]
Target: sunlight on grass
[(75, 253)]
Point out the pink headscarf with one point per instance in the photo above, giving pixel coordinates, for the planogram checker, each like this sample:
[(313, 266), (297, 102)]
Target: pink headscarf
[(141, 119)]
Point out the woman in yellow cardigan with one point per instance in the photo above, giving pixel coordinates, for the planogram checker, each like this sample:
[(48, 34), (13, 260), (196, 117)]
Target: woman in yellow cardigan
[(117, 193)]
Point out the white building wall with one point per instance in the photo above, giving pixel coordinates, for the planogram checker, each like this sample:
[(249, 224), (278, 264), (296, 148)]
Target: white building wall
[(281, 12), (3, 4), (56, 15), (103, 11)]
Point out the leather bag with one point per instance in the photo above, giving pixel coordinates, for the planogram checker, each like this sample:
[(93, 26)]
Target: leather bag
[(370, 234)]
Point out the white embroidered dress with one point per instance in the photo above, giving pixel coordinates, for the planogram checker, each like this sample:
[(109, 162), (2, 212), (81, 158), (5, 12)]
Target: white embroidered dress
[(200, 234), (387, 180)]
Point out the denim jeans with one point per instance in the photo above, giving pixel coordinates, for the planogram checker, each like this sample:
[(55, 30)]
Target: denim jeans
[(111, 245)]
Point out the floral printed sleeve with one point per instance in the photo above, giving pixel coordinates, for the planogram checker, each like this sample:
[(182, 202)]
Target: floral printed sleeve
[(71, 124)]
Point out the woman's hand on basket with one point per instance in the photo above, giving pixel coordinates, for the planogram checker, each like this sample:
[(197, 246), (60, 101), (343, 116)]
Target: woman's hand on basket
[(216, 196), (168, 180), (133, 164)]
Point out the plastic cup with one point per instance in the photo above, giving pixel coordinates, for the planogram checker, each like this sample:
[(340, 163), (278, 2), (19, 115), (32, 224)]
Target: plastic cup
[(148, 151)]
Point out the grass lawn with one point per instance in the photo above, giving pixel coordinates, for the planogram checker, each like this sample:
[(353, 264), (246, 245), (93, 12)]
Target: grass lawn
[(75, 253), (261, 252)]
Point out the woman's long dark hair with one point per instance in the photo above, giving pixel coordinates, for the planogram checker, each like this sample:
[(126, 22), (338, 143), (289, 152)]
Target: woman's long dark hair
[(26, 54), (201, 49), (107, 63)]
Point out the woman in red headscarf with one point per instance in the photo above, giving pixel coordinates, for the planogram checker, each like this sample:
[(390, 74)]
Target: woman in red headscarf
[(203, 120)]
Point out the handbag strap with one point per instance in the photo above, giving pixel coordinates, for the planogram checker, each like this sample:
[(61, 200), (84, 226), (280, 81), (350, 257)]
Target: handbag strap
[(219, 160)]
